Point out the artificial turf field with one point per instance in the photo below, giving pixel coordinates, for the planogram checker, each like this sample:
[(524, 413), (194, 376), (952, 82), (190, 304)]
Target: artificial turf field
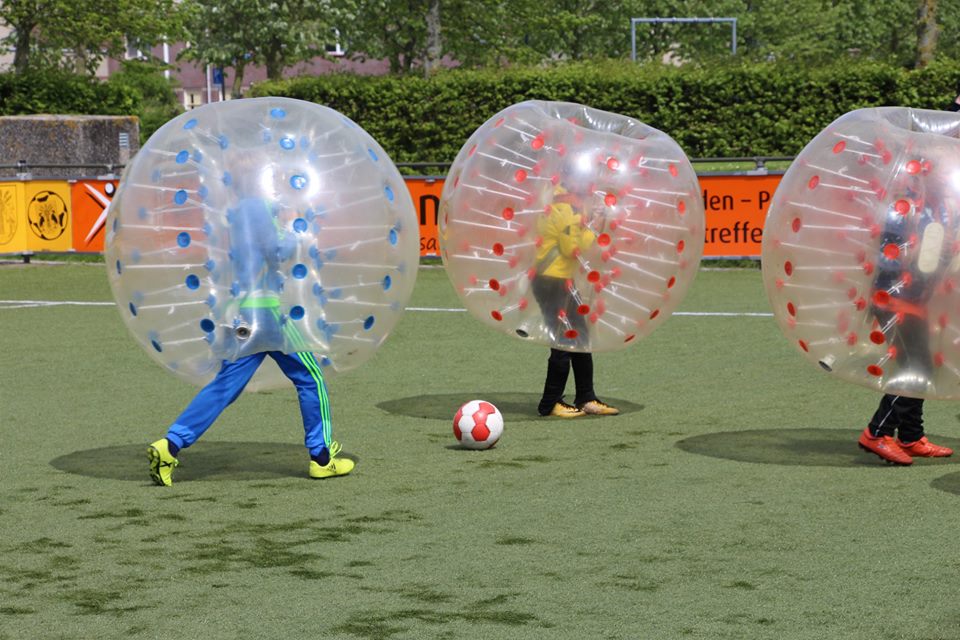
[(728, 501)]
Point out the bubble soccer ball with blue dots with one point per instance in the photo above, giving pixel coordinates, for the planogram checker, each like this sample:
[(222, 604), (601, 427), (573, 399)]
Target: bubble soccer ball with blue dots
[(255, 225)]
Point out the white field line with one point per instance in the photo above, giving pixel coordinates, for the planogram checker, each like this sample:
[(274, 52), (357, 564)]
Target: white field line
[(29, 304)]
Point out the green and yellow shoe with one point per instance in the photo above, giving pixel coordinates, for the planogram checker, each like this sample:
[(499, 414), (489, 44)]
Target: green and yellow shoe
[(336, 466), (161, 462)]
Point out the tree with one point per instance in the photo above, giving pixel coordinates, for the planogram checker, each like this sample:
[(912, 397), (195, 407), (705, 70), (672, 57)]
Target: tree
[(272, 33), (927, 32), (392, 29), (158, 102), (807, 31), (434, 40), (78, 34)]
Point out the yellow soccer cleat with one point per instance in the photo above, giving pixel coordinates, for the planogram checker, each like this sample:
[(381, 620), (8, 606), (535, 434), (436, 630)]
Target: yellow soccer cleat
[(336, 466), (162, 462), (564, 410), (598, 408)]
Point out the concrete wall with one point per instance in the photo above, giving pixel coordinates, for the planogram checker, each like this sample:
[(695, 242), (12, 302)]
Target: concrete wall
[(91, 144)]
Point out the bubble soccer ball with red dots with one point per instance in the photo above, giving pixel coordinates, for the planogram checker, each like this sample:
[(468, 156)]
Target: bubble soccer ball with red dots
[(861, 251), (571, 227), (265, 224), (478, 425)]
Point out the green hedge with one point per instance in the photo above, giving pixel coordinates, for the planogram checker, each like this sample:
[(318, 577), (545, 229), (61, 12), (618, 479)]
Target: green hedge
[(740, 110), (57, 92)]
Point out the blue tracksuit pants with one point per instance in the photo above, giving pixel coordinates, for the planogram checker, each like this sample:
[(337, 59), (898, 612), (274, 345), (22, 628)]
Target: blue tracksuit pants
[(301, 368)]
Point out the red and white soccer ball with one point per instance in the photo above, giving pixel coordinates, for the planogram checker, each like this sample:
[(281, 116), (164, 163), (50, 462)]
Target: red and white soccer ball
[(478, 425)]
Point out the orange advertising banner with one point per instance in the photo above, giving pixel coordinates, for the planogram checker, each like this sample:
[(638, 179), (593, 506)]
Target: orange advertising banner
[(90, 199), (61, 216), (735, 207), (426, 200)]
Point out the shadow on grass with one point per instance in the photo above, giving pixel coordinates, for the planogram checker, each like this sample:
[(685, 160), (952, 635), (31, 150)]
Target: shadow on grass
[(515, 407), (949, 483), (203, 461), (804, 447)]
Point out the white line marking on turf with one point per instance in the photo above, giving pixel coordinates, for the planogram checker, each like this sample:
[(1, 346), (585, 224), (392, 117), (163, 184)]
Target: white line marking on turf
[(30, 304), (725, 314), (27, 304)]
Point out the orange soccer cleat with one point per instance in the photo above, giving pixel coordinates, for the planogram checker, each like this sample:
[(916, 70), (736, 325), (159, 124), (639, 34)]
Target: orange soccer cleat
[(923, 448), (884, 446)]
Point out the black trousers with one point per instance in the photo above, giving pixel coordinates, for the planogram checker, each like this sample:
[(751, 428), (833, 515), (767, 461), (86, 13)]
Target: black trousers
[(558, 370), (900, 415), (556, 299)]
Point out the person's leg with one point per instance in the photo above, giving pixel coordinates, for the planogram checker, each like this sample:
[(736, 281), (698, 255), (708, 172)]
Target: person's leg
[(910, 436), (909, 418), (583, 378), (587, 400), (877, 437), (558, 370), (915, 372), (886, 418), (304, 372), (199, 415), (550, 296), (210, 402)]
